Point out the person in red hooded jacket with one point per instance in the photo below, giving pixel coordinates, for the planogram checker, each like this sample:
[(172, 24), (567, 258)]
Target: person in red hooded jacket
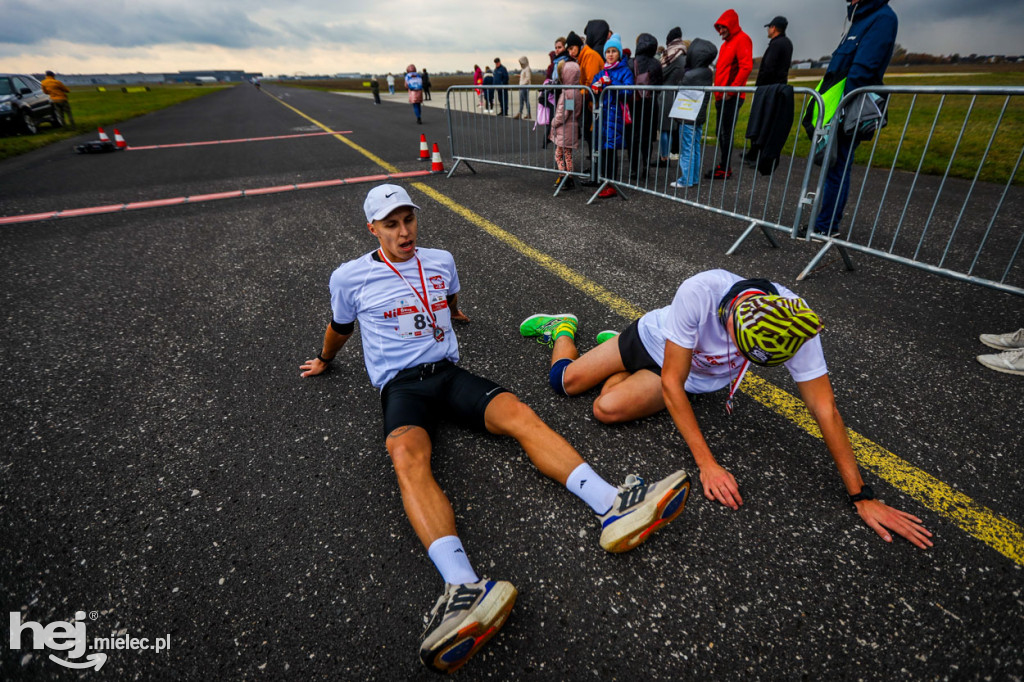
[(735, 62)]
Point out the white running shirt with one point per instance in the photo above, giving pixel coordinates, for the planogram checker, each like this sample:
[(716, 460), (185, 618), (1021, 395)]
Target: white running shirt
[(691, 321), (395, 330)]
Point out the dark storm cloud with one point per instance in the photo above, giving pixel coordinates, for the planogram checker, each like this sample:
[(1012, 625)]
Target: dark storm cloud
[(127, 25)]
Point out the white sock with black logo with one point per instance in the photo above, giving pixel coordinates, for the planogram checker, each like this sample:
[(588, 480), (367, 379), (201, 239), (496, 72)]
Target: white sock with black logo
[(452, 563), (585, 484)]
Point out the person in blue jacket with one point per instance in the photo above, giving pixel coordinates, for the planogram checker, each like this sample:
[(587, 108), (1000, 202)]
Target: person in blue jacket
[(863, 55), (612, 135), (501, 78)]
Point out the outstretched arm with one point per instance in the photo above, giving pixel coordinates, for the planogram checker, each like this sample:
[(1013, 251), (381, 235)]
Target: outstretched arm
[(718, 483), (820, 400), (333, 341)]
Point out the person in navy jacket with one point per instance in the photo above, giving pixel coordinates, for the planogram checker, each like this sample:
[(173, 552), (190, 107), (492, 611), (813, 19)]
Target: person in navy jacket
[(863, 54)]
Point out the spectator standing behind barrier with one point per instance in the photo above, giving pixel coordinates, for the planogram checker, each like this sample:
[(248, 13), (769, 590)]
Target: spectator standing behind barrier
[(375, 89), (777, 56), (58, 93), (501, 78), (488, 90), (862, 57), (478, 80), (698, 72), (414, 84), (590, 65), (673, 66), (391, 84), (612, 133), (646, 104), (735, 61), (558, 55), (525, 78), (426, 85), (564, 124)]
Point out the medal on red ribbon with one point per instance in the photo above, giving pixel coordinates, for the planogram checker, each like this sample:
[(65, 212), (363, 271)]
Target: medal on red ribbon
[(438, 332)]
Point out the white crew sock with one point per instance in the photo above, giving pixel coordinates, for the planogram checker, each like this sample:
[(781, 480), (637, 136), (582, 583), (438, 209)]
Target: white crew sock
[(591, 488), (452, 563)]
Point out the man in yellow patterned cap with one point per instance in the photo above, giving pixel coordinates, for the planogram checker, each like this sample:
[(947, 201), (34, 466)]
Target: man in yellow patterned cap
[(718, 323)]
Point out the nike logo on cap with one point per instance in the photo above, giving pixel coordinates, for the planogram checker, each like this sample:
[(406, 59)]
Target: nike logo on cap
[(388, 196)]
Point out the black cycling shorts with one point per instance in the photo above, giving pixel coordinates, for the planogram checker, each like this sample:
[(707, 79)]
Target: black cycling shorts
[(634, 356), (426, 394)]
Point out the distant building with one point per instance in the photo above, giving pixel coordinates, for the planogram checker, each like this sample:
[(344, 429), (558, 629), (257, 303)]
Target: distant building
[(218, 76)]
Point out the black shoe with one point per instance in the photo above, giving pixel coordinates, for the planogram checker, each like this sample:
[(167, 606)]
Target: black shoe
[(419, 121), (589, 183)]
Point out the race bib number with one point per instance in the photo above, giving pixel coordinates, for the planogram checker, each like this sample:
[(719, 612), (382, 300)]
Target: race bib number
[(410, 321)]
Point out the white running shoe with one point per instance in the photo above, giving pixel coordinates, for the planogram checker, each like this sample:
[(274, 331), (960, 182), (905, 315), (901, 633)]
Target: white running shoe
[(1008, 341), (1010, 362), (462, 620), (641, 508)]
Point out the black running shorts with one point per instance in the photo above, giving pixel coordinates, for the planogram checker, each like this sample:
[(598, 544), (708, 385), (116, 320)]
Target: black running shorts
[(634, 356), (427, 394)]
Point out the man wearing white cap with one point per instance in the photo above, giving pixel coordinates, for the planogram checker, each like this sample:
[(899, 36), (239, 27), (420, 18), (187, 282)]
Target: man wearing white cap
[(405, 298)]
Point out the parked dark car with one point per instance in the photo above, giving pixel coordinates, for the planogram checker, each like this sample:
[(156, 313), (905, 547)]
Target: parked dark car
[(24, 105)]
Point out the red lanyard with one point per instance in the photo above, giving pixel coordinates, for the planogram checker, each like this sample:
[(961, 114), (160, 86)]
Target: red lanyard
[(438, 332)]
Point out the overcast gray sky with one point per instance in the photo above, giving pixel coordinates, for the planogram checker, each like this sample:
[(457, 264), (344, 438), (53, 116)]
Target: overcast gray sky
[(314, 37)]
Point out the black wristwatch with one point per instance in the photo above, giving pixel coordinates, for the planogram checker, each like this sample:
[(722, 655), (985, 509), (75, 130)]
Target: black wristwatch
[(321, 358), (866, 493)]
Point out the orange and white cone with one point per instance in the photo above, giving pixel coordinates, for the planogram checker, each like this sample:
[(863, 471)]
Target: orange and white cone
[(436, 165), (424, 153), (103, 136), (119, 141)]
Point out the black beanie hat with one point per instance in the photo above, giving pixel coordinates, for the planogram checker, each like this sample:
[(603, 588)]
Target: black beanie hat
[(674, 34), (575, 41)]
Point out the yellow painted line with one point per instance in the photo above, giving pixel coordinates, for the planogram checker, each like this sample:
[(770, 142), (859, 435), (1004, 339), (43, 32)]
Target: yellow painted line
[(365, 152), (998, 532)]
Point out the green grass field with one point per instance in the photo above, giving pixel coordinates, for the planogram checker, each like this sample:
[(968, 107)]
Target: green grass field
[(93, 108)]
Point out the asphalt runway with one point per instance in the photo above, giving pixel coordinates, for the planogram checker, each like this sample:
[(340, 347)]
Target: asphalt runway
[(165, 470)]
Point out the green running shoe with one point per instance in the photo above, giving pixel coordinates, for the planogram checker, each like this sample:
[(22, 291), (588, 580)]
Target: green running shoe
[(606, 335), (548, 327)]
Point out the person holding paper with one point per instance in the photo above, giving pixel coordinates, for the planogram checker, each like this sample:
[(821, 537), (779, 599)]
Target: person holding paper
[(698, 73)]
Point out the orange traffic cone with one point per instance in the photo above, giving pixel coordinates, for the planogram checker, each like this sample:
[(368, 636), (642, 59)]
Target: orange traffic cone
[(103, 136), (436, 165), (424, 154), (119, 141)]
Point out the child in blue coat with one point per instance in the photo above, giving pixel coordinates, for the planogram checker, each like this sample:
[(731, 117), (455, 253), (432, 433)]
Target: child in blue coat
[(613, 105)]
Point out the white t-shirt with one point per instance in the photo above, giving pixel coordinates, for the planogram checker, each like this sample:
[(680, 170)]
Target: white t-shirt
[(691, 321), (395, 329)]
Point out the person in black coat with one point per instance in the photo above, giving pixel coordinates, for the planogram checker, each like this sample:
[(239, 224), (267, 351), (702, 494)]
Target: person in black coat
[(426, 84), (646, 104), (778, 56)]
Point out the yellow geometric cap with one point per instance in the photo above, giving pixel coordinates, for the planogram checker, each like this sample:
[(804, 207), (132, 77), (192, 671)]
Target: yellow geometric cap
[(771, 329)]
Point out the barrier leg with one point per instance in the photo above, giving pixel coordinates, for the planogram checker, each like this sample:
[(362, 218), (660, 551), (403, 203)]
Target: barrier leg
[(456, 165), (813, 265), (597, 191), (746, 233)]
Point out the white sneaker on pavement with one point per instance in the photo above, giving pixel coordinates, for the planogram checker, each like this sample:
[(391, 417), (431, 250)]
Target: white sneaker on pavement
[(1007, 341), (1010, 362)]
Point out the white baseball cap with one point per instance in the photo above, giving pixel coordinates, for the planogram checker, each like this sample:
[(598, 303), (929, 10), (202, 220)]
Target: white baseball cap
[(383, 199)]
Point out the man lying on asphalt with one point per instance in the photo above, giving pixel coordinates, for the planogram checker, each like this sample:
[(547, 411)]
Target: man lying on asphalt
[(405, 299)]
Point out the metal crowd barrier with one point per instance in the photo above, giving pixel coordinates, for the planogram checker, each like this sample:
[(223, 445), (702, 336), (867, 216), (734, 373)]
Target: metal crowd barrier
[(775, 199), (932, 217), (478, 136)]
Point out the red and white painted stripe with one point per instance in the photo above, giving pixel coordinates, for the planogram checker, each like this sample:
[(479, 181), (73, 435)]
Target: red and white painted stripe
[(196, 198), (235, 141)]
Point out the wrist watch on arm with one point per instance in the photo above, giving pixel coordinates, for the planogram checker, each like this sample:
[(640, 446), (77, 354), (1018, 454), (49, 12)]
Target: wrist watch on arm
[(866, 493)]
